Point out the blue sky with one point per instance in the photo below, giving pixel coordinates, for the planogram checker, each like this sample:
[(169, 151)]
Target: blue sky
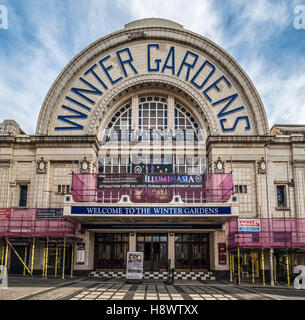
[(44, 35)]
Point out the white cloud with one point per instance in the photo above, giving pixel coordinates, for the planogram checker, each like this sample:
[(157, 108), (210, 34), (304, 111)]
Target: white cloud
[(195, 15), (59, 30)]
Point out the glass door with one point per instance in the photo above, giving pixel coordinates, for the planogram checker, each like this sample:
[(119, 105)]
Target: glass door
[(154, 248), (111, 250), (192, 251)]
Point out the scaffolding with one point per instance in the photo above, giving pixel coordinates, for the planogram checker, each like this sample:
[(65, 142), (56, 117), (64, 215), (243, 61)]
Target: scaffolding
[(285, 238), (216, 187), (20, 228)]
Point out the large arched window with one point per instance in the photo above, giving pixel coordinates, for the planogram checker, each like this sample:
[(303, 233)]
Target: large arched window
[(153, 112)]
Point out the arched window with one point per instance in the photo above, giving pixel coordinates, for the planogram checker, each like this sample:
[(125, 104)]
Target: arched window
[(153, 113), (122, 119)]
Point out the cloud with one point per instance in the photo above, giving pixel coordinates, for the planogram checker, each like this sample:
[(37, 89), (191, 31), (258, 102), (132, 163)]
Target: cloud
[(196, 15), (44, 36)]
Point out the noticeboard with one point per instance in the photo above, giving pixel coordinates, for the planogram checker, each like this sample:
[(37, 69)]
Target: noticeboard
[(222, 256), (134, 266), (80, 253), (50, 213)]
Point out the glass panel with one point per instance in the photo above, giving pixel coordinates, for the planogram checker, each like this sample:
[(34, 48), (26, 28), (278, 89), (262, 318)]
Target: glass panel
[(147, 238), (140, 238), (155, 238), (163, 238)]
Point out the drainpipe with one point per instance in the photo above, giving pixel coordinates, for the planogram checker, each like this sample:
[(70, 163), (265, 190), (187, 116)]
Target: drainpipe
[(266, 146)]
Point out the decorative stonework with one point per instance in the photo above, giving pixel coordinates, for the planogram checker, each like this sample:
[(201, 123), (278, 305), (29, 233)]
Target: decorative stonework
[(262, 166), (41, 166), (219, 166), (170, 35), (84, 166)]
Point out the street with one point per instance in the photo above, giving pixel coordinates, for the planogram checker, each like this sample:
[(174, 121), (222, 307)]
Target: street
[(77, 288)]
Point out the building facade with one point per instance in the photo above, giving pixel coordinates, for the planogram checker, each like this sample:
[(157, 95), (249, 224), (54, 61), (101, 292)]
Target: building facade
[(152, 139)]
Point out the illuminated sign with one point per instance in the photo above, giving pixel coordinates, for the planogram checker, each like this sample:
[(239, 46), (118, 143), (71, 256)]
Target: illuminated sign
[(106, 210)]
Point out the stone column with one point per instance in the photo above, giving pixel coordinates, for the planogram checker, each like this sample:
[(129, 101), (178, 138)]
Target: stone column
[(132, 241), (171, 248)]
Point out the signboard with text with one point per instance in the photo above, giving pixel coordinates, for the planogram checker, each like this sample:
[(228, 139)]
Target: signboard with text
[(134, 266), (49, 213), (80, 253), (5, 213), (253, 225), (109, 181), (107, 210)]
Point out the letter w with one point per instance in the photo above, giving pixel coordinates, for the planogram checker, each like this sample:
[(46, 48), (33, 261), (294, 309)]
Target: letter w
[(79, 91), (75, 126)]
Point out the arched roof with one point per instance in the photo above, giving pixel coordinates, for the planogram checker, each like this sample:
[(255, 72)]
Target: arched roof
[(154, 52)]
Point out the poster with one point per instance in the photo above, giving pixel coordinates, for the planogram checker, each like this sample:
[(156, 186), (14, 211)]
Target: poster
[(5, 214), (80, 253), (253, 225), (134, 266), (222, 253)]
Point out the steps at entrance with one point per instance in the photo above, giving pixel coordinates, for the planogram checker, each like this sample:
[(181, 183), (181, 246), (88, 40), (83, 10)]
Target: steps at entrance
[(191, 275)]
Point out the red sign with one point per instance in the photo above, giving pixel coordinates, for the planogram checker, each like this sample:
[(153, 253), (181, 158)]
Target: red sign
[(5, 213), (222, 253)]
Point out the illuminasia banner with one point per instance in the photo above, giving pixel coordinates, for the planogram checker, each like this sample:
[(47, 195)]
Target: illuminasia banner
[(105, 181)]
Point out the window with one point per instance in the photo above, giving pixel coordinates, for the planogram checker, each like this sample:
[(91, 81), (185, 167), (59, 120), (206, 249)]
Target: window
[(281, 196), (23, 196), (240, 189), (153, 113), (63, 189)]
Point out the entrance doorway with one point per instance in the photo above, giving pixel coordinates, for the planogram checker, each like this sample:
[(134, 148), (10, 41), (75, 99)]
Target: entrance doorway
[(22, 248), (154, 248), (111, 250), (192, 251)]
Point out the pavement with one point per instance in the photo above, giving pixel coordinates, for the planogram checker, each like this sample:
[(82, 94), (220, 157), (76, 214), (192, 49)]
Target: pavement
[(85, 288)]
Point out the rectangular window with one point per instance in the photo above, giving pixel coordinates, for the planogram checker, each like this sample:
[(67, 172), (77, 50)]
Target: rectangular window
[(23, 196), (281, 197), (63, 189), (240, 189)]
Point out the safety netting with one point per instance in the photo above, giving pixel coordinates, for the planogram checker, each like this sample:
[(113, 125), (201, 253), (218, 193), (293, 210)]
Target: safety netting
[(276, 233), (215, 188), (24, 222)]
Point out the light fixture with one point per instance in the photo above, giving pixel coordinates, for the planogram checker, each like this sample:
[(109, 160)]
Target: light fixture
[(171, 234), (132, 234)]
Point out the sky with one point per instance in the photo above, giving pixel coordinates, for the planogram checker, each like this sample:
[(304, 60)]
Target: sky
[(44, 35)]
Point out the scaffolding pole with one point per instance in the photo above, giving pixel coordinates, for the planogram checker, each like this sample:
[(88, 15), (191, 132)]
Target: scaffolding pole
[(33, 251), (64, 260), (16, 253), (6, 254), (231, 271), (287, 267), (238, 266), (252, 261), (56, 261), (25, 258), (43, 261), (72, 260), (47, 259), (233, 265), (274, 265), (2, 254), (263, 267)]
